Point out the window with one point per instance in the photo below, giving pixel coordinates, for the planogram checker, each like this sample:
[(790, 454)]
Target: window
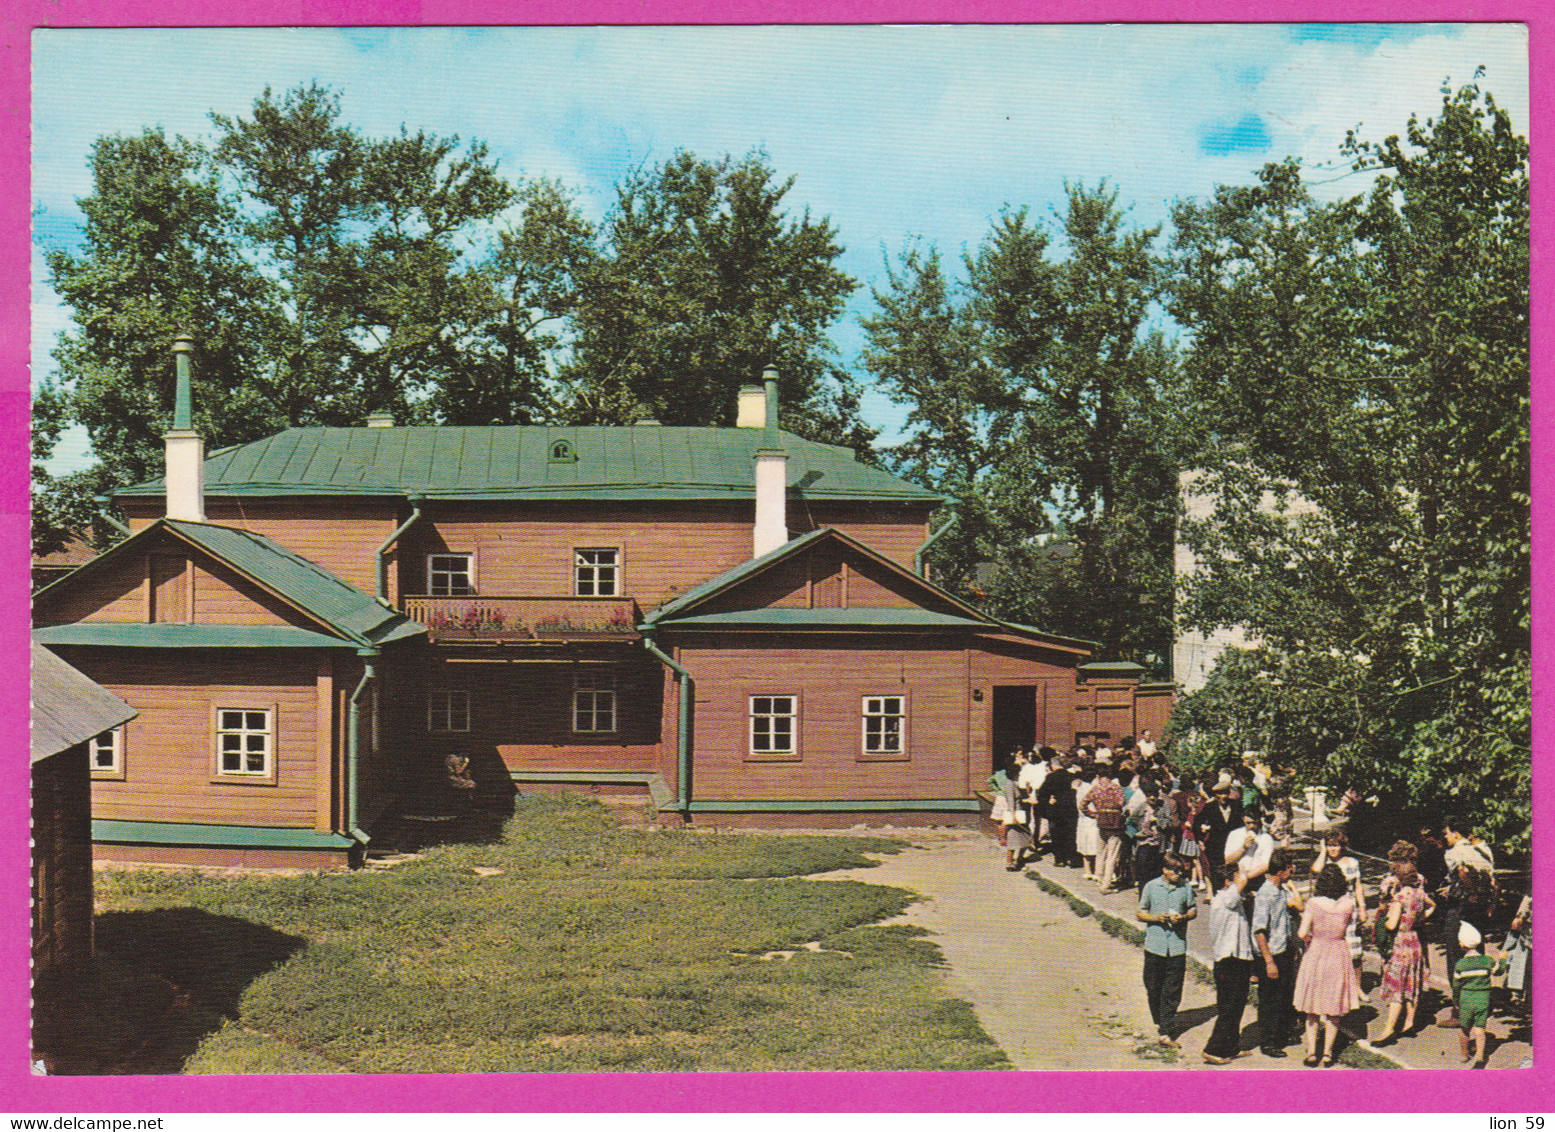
[(562, 452), (245, 742), (450, 575), (884, 727), (594, 703), (105, 754), (596, 572), (774, 727), (448, 711)]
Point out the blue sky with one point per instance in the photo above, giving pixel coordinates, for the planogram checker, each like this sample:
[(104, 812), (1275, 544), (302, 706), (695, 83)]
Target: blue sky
[(893, 133)]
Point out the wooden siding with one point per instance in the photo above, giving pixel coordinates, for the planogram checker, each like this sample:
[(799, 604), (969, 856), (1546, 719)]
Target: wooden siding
[(224, 597), (893, 530), (341, 535), (165, 585), (61, 865), (830, 676), (118, 595), (170, 746), (521, 713), (526, 548)]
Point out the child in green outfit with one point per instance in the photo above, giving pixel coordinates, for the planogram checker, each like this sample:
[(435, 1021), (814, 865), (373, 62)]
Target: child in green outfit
[(1471, 992)]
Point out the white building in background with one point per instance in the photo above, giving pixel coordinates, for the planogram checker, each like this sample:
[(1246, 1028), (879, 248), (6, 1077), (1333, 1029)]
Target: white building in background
[(1194, 653)]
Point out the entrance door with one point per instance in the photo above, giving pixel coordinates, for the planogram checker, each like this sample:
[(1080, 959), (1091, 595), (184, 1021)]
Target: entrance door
[(1017, 719)]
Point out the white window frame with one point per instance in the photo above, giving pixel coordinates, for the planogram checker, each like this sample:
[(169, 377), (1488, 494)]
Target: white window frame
[(448, 591), (877, 708), (114, 746), (594, 696), (579, 566), (762, 706), (244, 730), (446, 709)]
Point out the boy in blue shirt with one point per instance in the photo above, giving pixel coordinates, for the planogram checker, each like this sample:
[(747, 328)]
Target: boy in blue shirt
[(1166, 905)]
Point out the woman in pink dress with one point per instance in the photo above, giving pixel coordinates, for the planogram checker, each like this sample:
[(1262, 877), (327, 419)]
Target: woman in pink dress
[(1404, 976), (1326, 986)]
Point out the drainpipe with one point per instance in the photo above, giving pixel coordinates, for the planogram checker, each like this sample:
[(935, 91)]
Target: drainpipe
[(354, 739), (103, 502), (415, 502), (683, 739), (919, 566)]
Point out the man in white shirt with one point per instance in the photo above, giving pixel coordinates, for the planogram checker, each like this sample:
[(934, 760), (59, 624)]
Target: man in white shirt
[(1249, 848), (1146, 744), (1027, 783)]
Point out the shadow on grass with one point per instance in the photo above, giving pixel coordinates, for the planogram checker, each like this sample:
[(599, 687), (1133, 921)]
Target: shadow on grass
[(163, 980)]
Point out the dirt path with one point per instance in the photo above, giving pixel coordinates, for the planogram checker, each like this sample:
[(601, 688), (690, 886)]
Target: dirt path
[(1054, 990)]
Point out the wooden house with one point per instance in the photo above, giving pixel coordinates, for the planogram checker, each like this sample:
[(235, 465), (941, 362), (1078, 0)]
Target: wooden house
[(730, 619)]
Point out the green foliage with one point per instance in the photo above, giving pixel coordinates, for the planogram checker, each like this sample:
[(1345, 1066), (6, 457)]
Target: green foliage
[(594, 948), (1034, 399), (702, 279), (1359, 372)]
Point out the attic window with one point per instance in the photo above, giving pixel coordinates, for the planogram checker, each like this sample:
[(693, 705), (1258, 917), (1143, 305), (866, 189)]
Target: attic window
[(562, 452)]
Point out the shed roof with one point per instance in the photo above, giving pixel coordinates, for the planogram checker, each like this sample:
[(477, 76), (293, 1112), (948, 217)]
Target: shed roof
[(856, 618), (514, 462), (67, 706)]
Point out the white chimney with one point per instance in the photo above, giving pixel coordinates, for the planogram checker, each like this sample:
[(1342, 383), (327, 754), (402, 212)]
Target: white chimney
[(185, 448), (752, 407), (771, 529), (771, 501), (381, 419)]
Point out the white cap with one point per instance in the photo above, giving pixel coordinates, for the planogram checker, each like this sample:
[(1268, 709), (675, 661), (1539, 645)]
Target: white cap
[(1468, 936)]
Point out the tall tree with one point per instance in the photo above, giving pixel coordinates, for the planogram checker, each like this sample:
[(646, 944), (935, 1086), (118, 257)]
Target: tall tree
[(523, 300), (1366, 364), (159, 258), (363, 240), (702, 279), (1035, 391)]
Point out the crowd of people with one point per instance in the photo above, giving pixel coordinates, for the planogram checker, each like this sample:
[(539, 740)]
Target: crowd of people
[(1128, 818)]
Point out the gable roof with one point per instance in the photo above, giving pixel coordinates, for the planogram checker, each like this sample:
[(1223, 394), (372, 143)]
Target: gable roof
[(339, 607), (68, 707), (512, 462), (681, 612)]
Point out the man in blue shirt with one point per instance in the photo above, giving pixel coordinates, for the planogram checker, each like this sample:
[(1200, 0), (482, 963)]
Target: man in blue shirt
[(1275, 936), (1165, 907)]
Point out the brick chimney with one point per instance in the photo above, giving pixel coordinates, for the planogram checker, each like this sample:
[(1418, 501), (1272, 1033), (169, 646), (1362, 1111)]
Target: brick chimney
[(771, 529), (185, 449)]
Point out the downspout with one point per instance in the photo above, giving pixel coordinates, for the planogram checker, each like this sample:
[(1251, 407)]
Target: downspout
[(918, 564), (103, 502), (683, 739), (353, 741), (415, 502)]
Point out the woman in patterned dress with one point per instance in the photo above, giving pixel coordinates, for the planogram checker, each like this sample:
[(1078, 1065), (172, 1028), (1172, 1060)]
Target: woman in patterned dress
[(1404, 976)]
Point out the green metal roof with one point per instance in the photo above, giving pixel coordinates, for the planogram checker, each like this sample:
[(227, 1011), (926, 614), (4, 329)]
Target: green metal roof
[(341, 606), (138, 634), (1112, 666), (877, 618), (513, 462)]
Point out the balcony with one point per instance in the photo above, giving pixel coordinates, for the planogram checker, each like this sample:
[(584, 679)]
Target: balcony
[(497, 620)]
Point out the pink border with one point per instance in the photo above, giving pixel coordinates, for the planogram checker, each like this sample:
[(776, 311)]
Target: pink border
[(1502, 1092)]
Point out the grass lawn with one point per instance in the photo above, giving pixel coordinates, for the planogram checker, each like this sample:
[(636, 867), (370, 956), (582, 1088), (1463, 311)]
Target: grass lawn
[(578, 946)]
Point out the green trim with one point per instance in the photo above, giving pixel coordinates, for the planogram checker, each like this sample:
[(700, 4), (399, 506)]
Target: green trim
[(856, 618), (1112, 666), (776, 806), (213, 836), (136, 634)]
